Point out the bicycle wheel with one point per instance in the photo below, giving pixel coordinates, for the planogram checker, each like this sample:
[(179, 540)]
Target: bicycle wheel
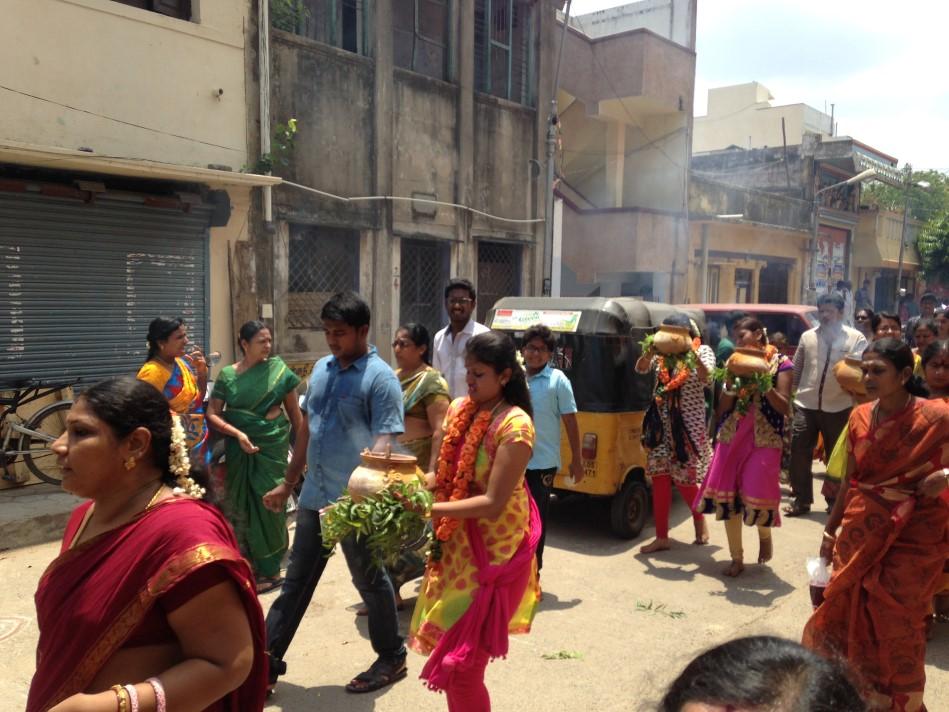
[(48, 423)]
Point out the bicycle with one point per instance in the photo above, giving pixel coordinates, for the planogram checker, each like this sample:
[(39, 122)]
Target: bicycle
[(32, 438)]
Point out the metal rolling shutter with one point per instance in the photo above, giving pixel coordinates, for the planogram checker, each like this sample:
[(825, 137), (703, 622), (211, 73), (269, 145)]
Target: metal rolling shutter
[(79, 282)]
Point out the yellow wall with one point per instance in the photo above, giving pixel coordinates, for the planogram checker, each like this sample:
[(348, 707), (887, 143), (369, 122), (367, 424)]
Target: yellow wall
[(749, 246), (117, 66)]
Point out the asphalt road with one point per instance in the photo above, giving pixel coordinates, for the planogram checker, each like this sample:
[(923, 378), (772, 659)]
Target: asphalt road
[(613, 630)]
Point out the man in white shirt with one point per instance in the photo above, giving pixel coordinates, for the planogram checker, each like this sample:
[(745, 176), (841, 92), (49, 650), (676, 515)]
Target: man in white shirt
[(449, 347), (820, 405)]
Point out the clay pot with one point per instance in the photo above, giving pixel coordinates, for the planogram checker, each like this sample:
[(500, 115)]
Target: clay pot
[(670, 340), (748, 362), (380, 469), (849, 376)]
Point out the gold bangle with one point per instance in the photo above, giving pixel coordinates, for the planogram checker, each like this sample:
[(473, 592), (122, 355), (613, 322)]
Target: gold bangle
[(122, 695), (829, 536)]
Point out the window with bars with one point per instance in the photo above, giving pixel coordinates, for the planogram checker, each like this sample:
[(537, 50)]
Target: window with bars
[(340, 23), (504, 49), (425, 271), (499, 274), (321, 262), (420, 36), (172, 8)]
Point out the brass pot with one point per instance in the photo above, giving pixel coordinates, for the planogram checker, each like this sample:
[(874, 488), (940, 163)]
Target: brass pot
[(380, 469), (850, 376), (671, 340), (748, 362)]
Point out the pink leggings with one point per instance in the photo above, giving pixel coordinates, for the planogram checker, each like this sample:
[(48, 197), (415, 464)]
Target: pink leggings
[(467, 692), (662, 502)]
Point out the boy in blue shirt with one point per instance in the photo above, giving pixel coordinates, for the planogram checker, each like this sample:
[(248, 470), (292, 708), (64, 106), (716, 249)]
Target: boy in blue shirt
[(552, 398), (353, 402)]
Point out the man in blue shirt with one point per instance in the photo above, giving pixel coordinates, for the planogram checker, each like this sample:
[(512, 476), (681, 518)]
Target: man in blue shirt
[(552, 398), (353, 402)]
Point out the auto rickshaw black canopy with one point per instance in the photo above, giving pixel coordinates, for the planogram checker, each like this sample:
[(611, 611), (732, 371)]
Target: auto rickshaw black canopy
[(598, 343)]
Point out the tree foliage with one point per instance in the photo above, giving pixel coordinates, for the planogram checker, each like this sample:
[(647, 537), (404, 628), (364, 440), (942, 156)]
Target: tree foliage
[(925, 203), (288, 15), (933, 246)]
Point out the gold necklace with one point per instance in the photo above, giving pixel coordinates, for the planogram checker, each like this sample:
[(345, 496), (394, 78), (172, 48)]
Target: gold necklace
[(154, 497)]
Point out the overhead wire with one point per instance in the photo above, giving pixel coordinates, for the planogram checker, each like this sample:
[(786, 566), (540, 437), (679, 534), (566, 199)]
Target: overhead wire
[(397, 198), (120, 121)]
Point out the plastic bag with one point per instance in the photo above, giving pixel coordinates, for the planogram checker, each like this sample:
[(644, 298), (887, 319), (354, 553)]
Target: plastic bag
[(818, 571)]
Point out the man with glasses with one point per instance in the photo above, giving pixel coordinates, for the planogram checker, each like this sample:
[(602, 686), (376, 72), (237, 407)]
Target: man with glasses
[(449, 346), (552, 398)]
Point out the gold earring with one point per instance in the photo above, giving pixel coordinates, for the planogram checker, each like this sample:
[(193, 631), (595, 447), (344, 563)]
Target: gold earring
[(130, 463)]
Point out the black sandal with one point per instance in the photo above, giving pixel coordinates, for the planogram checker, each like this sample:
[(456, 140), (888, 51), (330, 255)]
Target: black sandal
[(381, 673), (266, 584)]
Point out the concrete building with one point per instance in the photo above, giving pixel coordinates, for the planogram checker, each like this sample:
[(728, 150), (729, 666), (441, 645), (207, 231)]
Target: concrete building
[(122, 137), (745, 245), (421, 134), (877, 251), (798, 173), (742, 115), (625, 109)]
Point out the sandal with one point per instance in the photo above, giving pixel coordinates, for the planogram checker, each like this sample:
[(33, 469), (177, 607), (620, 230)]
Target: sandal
[(381, 673), (266, 584), (796, 509)]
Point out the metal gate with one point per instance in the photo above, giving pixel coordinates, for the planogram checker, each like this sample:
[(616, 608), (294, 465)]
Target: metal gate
[(79, 282), (424, 276), (499, 274)]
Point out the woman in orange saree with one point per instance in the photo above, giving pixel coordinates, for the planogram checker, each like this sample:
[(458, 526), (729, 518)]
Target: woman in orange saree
[(149, 605), (894, 533)]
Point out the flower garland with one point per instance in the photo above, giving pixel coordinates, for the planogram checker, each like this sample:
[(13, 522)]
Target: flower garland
[(453, 479), (179, 463), (674, 371)]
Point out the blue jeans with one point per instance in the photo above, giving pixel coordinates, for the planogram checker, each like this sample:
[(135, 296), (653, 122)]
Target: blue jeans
[(307, 562)]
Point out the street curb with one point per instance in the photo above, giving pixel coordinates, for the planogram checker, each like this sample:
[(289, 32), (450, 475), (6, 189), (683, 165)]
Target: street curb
[(34, 515)]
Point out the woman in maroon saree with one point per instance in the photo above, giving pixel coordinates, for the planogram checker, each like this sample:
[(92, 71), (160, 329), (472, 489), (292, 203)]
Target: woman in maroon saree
[(149, 602)]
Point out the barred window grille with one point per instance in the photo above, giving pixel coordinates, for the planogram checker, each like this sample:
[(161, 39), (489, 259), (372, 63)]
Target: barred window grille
[(425, 271), (504, 49), (340, 23), (499, 274), (420, 36), (322, 261)]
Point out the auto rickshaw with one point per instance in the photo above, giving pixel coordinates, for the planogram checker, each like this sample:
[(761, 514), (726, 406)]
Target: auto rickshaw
[(597, 348)]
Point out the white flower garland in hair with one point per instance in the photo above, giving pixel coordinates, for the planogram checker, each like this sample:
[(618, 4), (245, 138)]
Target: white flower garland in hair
[(179, 463), (520, 360)]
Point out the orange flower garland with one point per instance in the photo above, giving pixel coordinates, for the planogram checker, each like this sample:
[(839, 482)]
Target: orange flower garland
[(684, 367), (453, 479)]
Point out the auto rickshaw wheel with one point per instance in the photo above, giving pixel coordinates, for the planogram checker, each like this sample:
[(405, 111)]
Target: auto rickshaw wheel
[(629, 508)]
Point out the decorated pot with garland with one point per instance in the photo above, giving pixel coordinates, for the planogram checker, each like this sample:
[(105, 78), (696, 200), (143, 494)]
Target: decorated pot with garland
[(671, 340), (748, 362), (378, 470)]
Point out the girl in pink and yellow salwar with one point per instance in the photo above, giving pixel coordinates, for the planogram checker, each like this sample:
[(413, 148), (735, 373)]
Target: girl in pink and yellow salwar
[(743, 479)]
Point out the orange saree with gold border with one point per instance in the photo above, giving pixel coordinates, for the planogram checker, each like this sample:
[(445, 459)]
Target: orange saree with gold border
[(93, 597), (889, 554)]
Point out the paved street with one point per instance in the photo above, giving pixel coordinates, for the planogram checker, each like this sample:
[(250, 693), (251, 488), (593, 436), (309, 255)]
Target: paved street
[(609, 654)]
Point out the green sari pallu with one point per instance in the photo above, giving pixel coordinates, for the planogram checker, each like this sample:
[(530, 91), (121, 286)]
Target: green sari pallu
[(248, 397)]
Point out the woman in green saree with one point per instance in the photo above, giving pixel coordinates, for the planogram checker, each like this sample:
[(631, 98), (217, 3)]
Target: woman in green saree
[(246, 407), (424, 394)]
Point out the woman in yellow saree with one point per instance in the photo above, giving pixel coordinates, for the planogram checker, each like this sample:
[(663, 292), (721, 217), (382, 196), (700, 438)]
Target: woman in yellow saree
[(246, 407), (182, 378)]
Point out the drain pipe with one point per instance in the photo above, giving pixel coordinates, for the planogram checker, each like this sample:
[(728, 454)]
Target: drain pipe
[(552, 121), (263, 59)]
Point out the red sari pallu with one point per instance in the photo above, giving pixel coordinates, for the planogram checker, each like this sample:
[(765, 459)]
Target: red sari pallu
[(95, 597), (889, 554)]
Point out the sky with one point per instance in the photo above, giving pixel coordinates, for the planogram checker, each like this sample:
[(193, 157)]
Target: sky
[(882, 64)]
